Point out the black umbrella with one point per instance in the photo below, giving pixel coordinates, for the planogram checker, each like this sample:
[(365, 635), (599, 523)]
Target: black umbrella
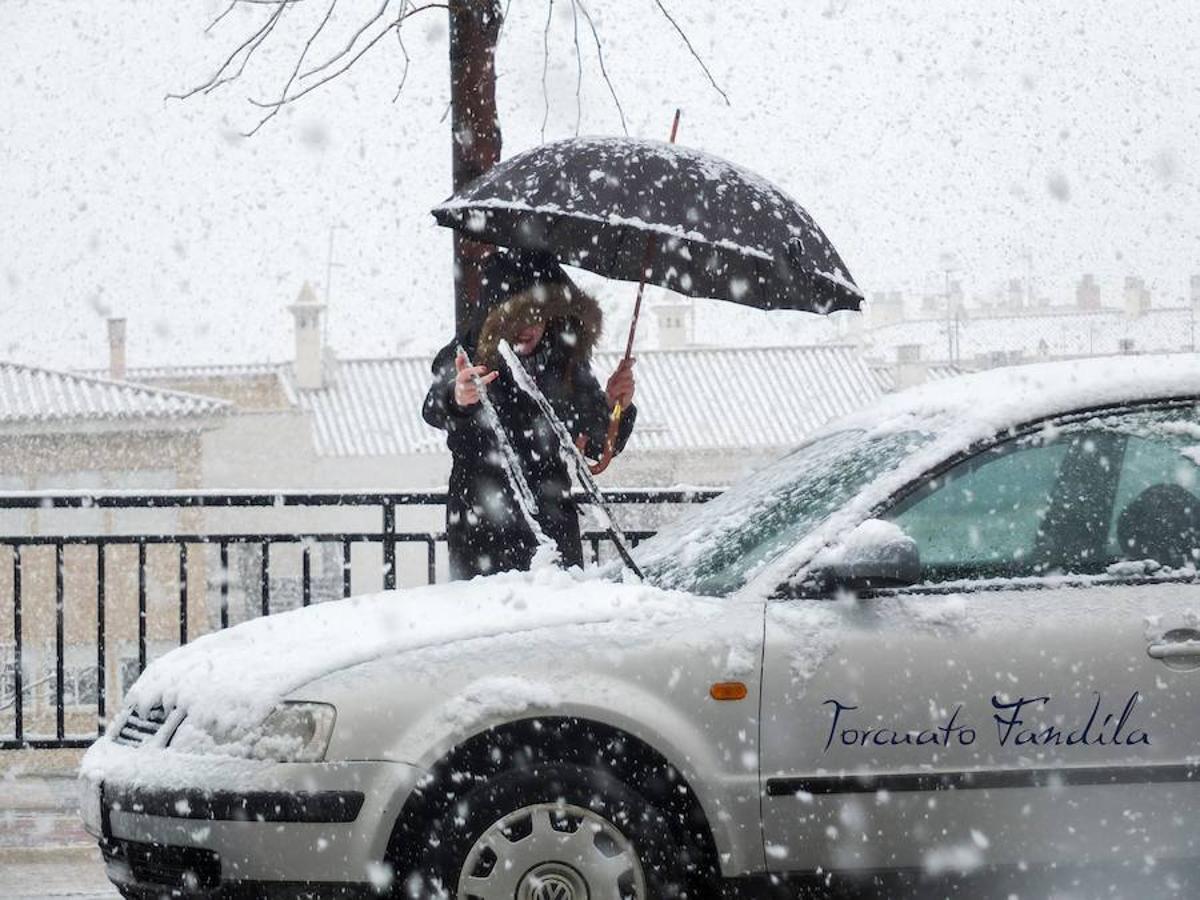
[(646, 211), (717, 230)]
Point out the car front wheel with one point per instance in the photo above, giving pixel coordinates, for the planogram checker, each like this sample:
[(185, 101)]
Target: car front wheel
[(552, 851), (554, 832)]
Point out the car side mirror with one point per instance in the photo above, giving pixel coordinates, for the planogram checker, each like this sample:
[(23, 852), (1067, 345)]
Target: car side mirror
[(876, 554)]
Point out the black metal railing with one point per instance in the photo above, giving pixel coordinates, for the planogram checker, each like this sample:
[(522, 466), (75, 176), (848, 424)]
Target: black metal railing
[(25, 725)]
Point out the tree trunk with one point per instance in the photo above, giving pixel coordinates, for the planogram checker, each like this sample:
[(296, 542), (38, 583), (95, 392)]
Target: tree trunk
[(475, 129)]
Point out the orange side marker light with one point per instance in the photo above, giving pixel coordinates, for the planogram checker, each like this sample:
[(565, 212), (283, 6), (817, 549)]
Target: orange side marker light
[(728, 690)]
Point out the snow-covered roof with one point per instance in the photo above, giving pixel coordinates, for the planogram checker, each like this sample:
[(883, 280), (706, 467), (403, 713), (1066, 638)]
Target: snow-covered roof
[(200, 370), (687, 399), (742, 398), (30, 394), (370, 407), (1057, 333), (886, 376), (691, 398)]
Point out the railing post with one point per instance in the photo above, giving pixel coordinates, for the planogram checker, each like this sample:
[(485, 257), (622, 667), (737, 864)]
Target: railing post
[(306, 575), (141, 607), (18, 644), (101, 663), (389, 545), (224, 584), (431, 560), (183, 593), (265, 575), (59, 643), (345, 568)]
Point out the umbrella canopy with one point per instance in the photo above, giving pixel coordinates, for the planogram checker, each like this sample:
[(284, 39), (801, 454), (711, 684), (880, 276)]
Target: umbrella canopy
[(719, 230)]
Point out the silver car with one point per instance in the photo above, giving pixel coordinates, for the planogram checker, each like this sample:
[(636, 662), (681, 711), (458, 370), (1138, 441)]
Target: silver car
[(958, 632)]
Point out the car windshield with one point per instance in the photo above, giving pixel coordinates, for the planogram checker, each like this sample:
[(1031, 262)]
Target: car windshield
[(718, 548)]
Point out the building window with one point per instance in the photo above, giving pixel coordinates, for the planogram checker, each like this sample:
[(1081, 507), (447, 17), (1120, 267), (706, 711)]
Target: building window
[(8, 676), (79, 686), (127, 673)]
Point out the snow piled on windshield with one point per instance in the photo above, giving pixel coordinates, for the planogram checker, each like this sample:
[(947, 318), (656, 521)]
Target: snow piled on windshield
[(228, 682)]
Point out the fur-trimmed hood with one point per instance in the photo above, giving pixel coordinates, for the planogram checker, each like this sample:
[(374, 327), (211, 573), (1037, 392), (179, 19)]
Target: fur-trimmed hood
[(572, 318)]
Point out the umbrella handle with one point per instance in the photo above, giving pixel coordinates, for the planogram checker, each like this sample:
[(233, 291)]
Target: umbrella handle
[(610, 441)]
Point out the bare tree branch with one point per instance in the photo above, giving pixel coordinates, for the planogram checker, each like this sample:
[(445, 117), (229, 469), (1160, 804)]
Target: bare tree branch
[(353, 40), (503, 20), (546, 67), (692, 50), (296, 68), (603, 70), (249, 45), (302, 81), (395, 24), (213, 24), (407, 58), (578, 65)]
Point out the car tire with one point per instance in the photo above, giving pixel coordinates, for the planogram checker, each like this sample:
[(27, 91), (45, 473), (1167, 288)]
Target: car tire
[(574, 800)]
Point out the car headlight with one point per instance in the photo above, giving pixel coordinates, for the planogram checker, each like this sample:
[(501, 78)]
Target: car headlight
[(296, 732)]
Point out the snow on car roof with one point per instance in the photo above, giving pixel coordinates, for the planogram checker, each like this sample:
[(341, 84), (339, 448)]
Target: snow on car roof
[(998, 399)]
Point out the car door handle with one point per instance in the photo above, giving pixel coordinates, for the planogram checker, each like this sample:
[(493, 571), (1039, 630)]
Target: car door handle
[(1179, 643)]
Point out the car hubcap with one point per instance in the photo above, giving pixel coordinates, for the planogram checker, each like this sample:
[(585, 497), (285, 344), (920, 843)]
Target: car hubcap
[(552, 851)]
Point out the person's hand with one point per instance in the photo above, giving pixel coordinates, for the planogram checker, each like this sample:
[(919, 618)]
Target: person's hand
[(465, 391), (620, 385)]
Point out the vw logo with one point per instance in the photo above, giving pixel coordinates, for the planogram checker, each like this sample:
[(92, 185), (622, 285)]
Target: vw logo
[(553, 887)]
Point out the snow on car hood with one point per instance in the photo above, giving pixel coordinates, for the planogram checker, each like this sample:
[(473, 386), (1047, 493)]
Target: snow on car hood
[(228, 682)]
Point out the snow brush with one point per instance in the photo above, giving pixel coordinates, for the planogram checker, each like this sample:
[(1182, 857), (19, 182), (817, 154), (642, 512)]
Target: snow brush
[(511, 462), (570, 452)]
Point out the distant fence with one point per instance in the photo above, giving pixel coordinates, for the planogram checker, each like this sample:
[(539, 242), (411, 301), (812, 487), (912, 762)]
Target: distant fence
[(99, 583)]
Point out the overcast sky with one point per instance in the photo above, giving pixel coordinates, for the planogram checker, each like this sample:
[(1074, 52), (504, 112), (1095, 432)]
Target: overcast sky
[(994, 137)]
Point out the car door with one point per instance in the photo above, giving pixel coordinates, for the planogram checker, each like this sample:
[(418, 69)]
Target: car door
[(1035, 699)]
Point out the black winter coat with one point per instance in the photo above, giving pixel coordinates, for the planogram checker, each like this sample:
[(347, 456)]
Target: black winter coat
[(486, 530)]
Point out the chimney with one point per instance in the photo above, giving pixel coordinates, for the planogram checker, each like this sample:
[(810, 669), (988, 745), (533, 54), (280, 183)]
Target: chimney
[(308, 364), (116, 349), (675, 325), (910, 371), (1137, 297), (1016, 293), (886, 308), (1087, 292)]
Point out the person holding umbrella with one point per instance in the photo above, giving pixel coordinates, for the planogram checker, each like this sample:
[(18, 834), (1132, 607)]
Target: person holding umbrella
[(633, 210), (553, 326)]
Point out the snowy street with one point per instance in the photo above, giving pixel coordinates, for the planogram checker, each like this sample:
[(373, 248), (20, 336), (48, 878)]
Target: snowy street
[(75, 872), (44, 851)]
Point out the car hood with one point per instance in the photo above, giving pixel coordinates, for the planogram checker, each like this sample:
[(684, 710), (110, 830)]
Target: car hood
[(226, 683)]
